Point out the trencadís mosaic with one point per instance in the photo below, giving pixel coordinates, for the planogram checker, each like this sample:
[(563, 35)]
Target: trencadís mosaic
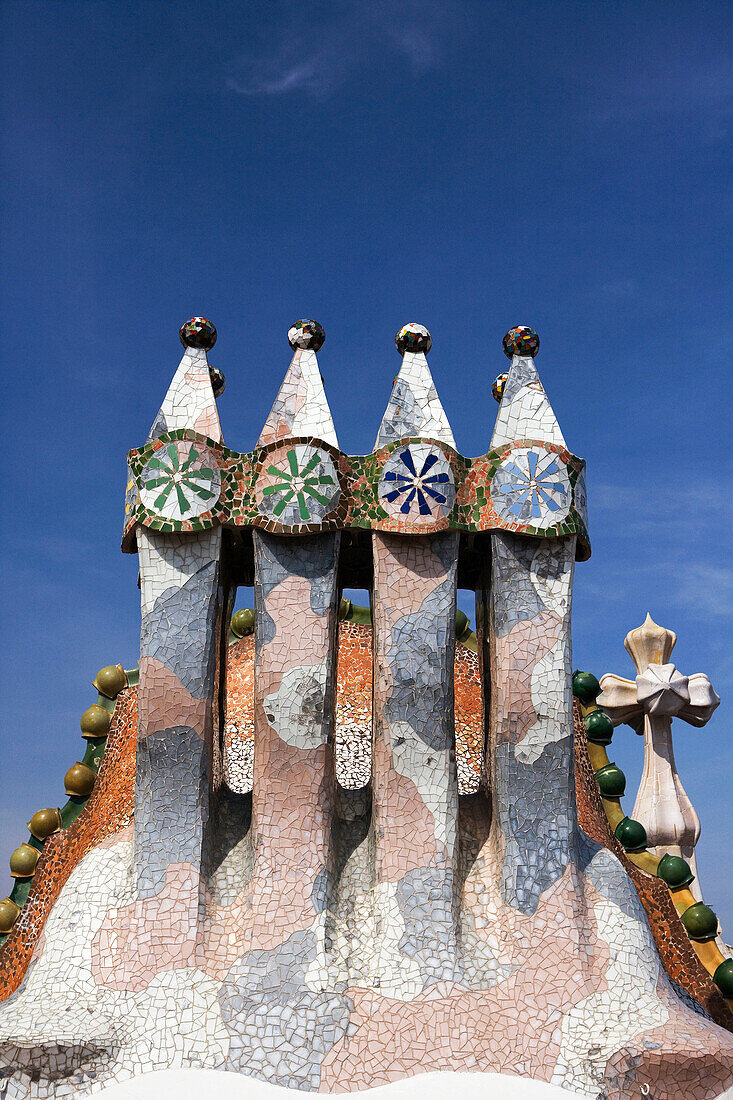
[(189, 482)]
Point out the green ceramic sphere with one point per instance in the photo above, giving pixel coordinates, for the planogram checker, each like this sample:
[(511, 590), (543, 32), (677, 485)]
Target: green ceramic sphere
[(243, 622), (95, 721), (631, 834), (723, 978), (44, 823), (110, 681), (675, 871), (23, 861), (611, 780), (344, 608), (9, 913), (598, 727), (79, 780), (463, 625), (700, 922), (585, 687)]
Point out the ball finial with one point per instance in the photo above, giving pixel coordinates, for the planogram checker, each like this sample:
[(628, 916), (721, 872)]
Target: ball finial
[(198, 332), (218, 381), (521, 340), (306, 335), (498, 387), (413, 337)]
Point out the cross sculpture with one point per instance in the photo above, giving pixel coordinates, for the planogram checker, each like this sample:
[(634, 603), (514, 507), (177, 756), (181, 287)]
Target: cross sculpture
[(659, 693)]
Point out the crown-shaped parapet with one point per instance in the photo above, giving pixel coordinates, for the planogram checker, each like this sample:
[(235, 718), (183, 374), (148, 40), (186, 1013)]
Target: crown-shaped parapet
[(309, 944), (528, 482)]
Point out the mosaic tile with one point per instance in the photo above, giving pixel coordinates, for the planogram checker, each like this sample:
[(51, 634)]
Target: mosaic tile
[(301, 408), (414, 408), (415, 788), (530, 484), (190, 401), (299, 484), (525, 411), (180, 481)]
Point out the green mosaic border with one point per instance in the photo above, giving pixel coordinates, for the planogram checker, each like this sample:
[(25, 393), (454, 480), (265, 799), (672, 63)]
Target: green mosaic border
[(359, 506)]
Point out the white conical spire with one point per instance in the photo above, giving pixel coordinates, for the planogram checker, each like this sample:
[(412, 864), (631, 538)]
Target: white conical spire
[(190, 401), (525, 412), (414, 408), (301, 408)]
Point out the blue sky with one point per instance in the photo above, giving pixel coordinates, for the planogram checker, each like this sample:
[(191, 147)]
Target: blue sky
[(466, 165)]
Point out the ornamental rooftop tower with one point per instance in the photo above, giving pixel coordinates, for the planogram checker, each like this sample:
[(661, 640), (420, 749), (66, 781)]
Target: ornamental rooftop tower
[(329, 848)]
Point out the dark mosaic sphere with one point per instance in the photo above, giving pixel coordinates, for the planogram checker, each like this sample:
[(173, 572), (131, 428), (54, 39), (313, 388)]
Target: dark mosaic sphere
[(218, 381), (497, 389), (306, 335), (521, 340), (198, 333), (413, 337)]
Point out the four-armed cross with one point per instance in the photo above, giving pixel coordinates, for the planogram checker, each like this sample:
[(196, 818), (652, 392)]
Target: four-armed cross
[(659, 693)]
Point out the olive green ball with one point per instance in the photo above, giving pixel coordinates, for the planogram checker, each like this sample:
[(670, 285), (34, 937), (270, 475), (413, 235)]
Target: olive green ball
[(243, 622)]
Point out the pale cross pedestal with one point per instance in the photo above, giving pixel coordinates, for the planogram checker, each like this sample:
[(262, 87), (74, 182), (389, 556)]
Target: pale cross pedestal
[(660, 693)]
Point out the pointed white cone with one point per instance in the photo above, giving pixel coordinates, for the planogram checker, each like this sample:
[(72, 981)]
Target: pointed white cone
[(525, 412), (190, 401), (414, 408), (300, 407)]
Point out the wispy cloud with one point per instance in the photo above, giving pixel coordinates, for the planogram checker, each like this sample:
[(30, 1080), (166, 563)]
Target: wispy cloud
[(619, 288), (677, 579), (669, 540), (709, 589), (671, 87), (320, 56), (653, 505)]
